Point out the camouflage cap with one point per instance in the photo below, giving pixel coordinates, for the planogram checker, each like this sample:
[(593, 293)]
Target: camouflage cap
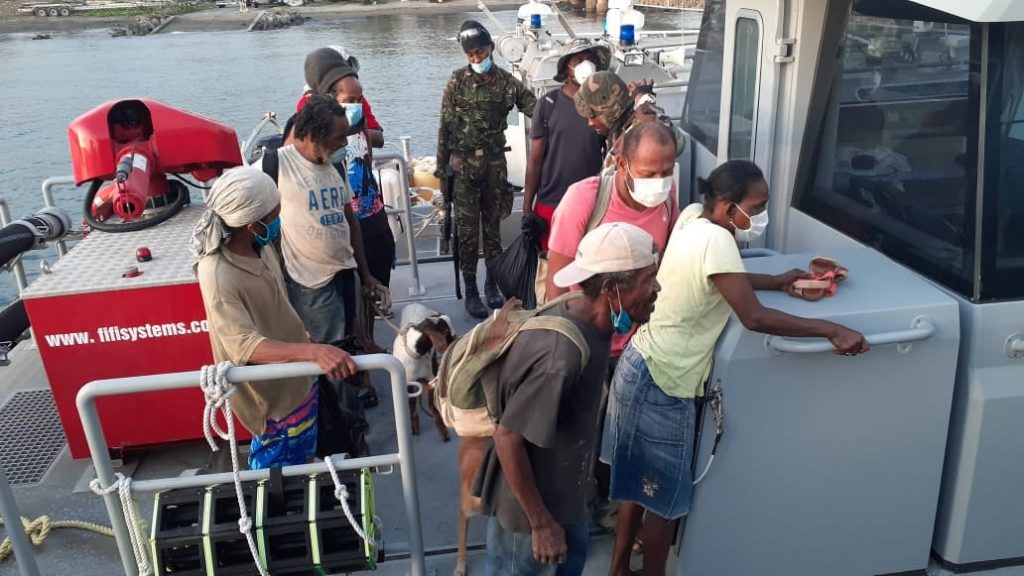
[(577, 46), (604, 95)]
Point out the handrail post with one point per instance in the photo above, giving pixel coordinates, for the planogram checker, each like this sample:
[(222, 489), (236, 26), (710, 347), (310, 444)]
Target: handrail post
[(417, 288), (48, 200), (23, 554), (18, 265)]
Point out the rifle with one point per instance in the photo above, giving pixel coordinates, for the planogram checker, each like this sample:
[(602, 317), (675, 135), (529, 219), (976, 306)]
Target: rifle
[(450, 229)]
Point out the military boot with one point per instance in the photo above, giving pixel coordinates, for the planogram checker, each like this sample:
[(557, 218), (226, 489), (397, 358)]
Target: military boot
[(494, 297), (474, 305)]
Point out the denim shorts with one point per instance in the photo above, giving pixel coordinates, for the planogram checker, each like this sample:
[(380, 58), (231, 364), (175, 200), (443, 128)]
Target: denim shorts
[(649, 441), (327, 312)]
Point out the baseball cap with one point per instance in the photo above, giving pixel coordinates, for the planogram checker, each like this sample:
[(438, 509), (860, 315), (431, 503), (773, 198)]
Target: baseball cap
[(612, 247)]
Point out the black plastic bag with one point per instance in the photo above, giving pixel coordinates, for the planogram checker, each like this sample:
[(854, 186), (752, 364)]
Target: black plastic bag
[(340, 430), (515, 270)]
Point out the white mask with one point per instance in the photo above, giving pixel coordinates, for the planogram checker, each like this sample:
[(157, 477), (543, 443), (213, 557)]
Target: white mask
[(758, 223), (582, 71), (651, 192)]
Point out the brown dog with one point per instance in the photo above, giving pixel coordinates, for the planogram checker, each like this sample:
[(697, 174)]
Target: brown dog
[(471, 459)]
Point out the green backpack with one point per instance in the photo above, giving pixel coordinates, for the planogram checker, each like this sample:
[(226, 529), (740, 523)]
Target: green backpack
[(468, 374)]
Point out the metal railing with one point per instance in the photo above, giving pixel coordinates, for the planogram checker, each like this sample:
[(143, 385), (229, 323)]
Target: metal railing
[(406, 210), (49, 201), (23, 553), (16, 265), (98, 448), (922, 328)]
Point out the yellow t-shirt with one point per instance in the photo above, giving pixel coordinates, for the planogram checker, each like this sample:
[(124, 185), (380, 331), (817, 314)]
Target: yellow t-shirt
[(679, 341)]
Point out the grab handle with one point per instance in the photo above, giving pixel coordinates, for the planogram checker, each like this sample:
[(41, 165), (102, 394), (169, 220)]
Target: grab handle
[(922, 328)]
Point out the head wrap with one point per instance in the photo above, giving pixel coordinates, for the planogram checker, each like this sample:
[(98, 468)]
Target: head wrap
[(604, 95), (240, 196)]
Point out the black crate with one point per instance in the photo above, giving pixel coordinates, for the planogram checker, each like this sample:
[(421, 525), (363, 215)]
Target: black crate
[(282, 501), (228, 551), (326, 506), (179, 556), (177, 542), (338, 548)]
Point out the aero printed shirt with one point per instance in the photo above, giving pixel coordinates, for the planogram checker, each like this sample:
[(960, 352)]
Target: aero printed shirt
[(314, 232)]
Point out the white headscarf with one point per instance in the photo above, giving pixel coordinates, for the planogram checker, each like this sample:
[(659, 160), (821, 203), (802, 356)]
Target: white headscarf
[(240, 196)]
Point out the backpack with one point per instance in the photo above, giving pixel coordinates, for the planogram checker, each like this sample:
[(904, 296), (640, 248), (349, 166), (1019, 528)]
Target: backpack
[(466, 384)]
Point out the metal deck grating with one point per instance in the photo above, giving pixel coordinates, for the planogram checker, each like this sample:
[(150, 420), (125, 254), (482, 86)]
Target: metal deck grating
[(31, 436)]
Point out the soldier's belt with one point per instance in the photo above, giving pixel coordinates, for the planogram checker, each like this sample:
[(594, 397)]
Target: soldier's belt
[(481, 152)]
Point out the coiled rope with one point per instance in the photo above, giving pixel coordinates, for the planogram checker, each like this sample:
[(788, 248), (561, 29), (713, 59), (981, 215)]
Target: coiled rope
[(37, 530)]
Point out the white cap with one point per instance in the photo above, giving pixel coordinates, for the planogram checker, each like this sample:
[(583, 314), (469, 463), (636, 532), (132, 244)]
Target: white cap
[(613, 247)]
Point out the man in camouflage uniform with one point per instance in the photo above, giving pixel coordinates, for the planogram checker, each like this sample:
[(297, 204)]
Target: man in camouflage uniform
[(471, 147), (612, 108)]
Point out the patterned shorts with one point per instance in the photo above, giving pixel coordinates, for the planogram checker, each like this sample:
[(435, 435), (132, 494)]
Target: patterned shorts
[(289, 441)]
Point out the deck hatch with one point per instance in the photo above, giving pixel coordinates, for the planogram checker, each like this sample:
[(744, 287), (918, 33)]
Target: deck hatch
[(32, 436)]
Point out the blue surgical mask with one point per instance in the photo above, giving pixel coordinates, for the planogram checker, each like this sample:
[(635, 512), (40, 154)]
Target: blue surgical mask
[(483, 67), (339, 156), (622, 323), (273, 229), (354, 112)]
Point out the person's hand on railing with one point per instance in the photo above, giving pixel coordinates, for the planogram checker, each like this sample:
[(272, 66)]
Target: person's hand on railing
[(335, 362), (848, 342)]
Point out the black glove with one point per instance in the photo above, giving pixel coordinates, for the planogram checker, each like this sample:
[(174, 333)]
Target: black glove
[(533, 227)]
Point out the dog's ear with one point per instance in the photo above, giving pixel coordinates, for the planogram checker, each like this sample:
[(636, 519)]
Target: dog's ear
[(423, 343), (447, 321)]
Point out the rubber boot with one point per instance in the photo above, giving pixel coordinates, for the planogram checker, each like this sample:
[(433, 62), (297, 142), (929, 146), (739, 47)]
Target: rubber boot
[(494, 297), (474, 305)]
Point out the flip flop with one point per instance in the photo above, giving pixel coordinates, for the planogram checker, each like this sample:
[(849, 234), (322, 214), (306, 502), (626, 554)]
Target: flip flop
[(813, 288)]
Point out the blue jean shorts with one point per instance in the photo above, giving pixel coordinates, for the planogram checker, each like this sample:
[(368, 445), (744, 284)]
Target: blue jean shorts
[(649, 441)]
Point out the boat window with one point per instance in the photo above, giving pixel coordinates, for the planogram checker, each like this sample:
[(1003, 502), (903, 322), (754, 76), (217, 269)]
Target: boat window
[(744, 89), (703, 104), (895, 164), (1002, 275)]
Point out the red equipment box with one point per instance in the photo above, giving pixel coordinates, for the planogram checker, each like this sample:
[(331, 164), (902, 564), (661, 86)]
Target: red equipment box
[(92, 323)]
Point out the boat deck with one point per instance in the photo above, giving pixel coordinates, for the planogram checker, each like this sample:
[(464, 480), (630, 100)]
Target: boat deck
[(63, 494)]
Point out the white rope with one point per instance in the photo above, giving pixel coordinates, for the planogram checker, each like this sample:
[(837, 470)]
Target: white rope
[(136, 532), (215, 385), (341, 493)]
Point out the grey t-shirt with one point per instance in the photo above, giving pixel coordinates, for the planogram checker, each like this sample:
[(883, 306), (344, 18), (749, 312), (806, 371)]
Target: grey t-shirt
[(544, 395), (572, 150)]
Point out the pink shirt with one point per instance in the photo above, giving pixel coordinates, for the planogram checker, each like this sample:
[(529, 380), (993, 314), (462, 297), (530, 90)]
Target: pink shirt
[(570, 224)]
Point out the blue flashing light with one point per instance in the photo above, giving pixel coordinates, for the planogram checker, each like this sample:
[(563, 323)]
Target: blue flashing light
[(627, 35)]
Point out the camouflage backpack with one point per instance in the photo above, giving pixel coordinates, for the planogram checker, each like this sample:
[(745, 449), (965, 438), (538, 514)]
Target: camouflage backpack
[(467, 379)]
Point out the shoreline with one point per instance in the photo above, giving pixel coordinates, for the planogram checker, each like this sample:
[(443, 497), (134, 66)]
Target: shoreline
[(226, 19)]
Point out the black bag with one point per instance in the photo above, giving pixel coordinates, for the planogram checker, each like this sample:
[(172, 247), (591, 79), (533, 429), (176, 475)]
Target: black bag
[(338, 429), (516, 270)]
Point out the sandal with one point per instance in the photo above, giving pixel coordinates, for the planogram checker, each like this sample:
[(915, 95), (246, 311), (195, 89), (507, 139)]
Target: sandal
[(823, 279)]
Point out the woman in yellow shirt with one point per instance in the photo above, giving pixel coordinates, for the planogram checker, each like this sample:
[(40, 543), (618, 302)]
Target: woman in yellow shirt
[(651, 410)]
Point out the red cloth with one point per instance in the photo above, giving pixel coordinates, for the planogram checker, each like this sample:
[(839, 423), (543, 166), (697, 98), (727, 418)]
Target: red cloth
[(371, 120), (546, 213)]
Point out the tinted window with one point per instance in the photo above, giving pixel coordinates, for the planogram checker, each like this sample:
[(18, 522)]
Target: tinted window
[(703, 105), (744, 90), (1003, 229), (894, 164)]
